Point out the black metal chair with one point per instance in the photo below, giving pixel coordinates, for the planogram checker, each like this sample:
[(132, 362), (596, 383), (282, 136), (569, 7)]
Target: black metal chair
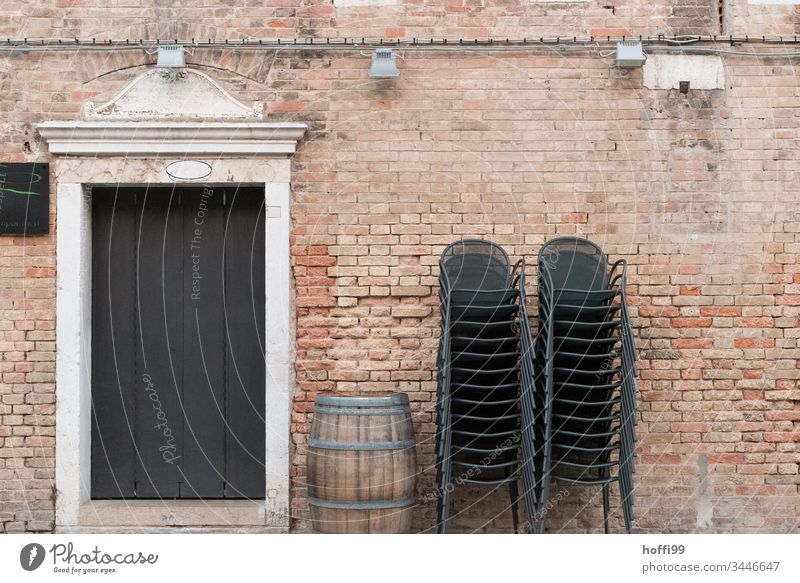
[(586, 386), (482, 373)]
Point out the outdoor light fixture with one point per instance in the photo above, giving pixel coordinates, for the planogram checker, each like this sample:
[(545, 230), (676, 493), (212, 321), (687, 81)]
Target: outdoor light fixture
[(171, 57), (383, 65), (630, 55)]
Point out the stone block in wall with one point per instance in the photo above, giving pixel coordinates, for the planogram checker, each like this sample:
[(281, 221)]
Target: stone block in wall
[(666, 71)]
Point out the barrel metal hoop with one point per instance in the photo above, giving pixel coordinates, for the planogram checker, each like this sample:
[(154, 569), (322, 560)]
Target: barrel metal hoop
[(371, 505), (328, 410), (349, 401), (357, 446)]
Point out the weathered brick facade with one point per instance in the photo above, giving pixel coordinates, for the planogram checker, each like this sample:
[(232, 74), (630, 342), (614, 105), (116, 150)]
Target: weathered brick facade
[(698, 192)]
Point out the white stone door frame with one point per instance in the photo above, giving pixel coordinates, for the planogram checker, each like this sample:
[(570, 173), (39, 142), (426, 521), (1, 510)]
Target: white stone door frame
[(258, 154)]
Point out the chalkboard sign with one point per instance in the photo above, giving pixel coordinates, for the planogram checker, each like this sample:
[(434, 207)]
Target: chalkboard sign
[(24, 199)]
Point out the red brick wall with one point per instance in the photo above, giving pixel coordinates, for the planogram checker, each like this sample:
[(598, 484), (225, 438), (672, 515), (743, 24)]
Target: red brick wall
[(697, 192), (408, 18), (27, 381)]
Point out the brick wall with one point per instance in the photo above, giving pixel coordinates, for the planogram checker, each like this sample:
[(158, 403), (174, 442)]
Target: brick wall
[(696, 191), (404, 18), (761, 19)]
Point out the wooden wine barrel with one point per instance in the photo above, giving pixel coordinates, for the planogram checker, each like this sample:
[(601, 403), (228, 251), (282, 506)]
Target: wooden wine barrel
[(361, 464)]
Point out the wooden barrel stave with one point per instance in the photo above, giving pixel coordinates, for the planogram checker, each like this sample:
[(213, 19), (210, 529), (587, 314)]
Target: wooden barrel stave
[(361, 464)]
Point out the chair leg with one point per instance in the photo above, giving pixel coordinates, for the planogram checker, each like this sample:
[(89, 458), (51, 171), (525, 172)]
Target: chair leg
[(606, 505), (544, 503), (439, 512), (445, 488), (513, 490), (443, 514), (627, 505)]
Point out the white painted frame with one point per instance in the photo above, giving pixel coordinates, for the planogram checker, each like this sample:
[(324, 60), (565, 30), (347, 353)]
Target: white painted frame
[(75, 177)]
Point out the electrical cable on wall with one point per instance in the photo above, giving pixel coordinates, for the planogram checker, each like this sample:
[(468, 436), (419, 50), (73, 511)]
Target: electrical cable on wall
[(559, 44)]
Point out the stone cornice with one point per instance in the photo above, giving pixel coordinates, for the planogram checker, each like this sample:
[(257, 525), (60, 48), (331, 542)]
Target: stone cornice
[(143, 138)]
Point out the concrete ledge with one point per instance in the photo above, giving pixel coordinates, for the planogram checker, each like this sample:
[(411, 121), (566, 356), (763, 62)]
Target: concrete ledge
[(146, 514), (169, 530), (131, 138)]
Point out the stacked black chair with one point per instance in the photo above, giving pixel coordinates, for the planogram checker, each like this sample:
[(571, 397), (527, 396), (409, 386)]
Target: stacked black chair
[(585, 384), (485, 376)]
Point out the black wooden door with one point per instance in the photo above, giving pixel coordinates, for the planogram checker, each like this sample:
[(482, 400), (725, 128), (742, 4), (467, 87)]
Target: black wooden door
[(178, 369)]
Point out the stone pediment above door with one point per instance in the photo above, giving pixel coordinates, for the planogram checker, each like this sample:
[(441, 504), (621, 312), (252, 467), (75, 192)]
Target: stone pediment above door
[(172, 112), (164, 94)]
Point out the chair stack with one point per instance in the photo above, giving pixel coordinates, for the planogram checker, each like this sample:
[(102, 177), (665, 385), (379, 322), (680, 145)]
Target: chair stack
[(585, 384), (485, 372)]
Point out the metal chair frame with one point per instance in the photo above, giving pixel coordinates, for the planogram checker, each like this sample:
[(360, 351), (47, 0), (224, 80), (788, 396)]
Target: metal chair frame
[(586, 325)]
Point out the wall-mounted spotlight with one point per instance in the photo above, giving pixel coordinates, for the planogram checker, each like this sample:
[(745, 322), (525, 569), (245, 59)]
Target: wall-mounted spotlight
[(171, 57), (383, 65), (630, 55)]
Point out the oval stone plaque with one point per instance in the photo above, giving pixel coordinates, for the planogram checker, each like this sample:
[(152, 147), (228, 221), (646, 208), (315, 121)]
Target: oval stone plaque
[(188, 170)]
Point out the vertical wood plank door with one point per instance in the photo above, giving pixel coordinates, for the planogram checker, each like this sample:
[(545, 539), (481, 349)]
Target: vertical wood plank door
[(178, 368)]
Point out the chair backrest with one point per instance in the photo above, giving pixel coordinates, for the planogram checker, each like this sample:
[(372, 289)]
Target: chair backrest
[(475, 264), (574, 263)]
